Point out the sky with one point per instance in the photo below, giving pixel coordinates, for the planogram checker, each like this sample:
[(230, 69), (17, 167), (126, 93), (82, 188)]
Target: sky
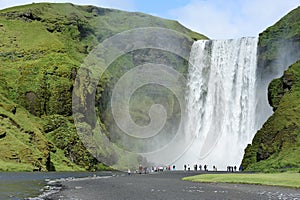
[(217, 19)]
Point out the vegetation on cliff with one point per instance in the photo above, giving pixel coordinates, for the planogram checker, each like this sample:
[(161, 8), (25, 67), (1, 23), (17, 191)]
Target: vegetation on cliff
[(276, 146), (41, 48)]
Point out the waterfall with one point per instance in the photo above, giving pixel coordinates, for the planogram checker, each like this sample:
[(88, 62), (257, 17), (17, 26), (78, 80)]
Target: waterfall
[(221, 101)]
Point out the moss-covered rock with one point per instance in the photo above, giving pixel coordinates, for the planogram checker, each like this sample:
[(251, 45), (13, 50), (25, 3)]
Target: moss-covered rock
[(276, 146), (41, 48)]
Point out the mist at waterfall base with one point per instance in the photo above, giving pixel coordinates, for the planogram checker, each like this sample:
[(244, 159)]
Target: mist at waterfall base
[(221, 102), (172, 105), (226, 101), (225, 105)]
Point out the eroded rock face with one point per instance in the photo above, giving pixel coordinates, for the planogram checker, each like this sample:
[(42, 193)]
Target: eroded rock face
[(31, 102), (27, 16)]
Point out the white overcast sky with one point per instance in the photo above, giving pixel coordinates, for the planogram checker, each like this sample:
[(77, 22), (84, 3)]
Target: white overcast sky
[(217, 19)]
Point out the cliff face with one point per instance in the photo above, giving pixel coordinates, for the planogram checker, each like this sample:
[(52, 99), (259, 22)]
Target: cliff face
[(276, 146), (41, 48), (43, 45)]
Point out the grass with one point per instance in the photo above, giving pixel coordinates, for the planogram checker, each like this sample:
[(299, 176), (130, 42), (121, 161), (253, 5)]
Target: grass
[(276, 147), (276, 179), (24, 143), (12, 167), (41, 47), (39, 57)]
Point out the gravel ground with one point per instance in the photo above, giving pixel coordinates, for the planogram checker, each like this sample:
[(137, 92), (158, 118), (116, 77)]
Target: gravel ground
[(165, 186)]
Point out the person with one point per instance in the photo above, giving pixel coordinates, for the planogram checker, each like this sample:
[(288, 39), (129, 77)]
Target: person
[(174, 167), (241, 168), (184, 167), (189, 168), (129, 172), (235, 168), (215, 168), (200, 167), (195, 167)]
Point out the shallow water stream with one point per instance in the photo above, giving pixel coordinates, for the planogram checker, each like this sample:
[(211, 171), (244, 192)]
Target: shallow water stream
[(31, 185)]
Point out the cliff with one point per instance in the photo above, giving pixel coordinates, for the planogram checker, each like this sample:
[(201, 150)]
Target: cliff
[(41, 48), (276, 146)]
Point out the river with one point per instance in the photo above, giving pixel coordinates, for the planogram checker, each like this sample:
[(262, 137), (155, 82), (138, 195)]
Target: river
[(36, 185)]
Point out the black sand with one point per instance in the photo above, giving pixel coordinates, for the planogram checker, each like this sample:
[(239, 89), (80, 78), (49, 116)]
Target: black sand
[(165, 186)]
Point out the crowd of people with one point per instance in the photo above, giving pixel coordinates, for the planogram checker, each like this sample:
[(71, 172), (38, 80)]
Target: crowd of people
[(145, 170), (234, 168), (195, 167), (214, 168)]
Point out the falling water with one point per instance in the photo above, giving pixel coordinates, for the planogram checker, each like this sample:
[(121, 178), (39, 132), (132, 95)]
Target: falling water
[(221, 101)]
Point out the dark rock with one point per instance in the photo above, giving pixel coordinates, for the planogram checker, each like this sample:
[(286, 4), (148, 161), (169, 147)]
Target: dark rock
[(49, 164), (73, 73), (14, 110), (2, 134), (29, 16), (32, 103)]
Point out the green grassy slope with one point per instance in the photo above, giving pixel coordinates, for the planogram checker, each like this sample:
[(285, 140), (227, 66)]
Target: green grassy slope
[(23, 145), (276, 147), (279, 179), (41, 48)]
